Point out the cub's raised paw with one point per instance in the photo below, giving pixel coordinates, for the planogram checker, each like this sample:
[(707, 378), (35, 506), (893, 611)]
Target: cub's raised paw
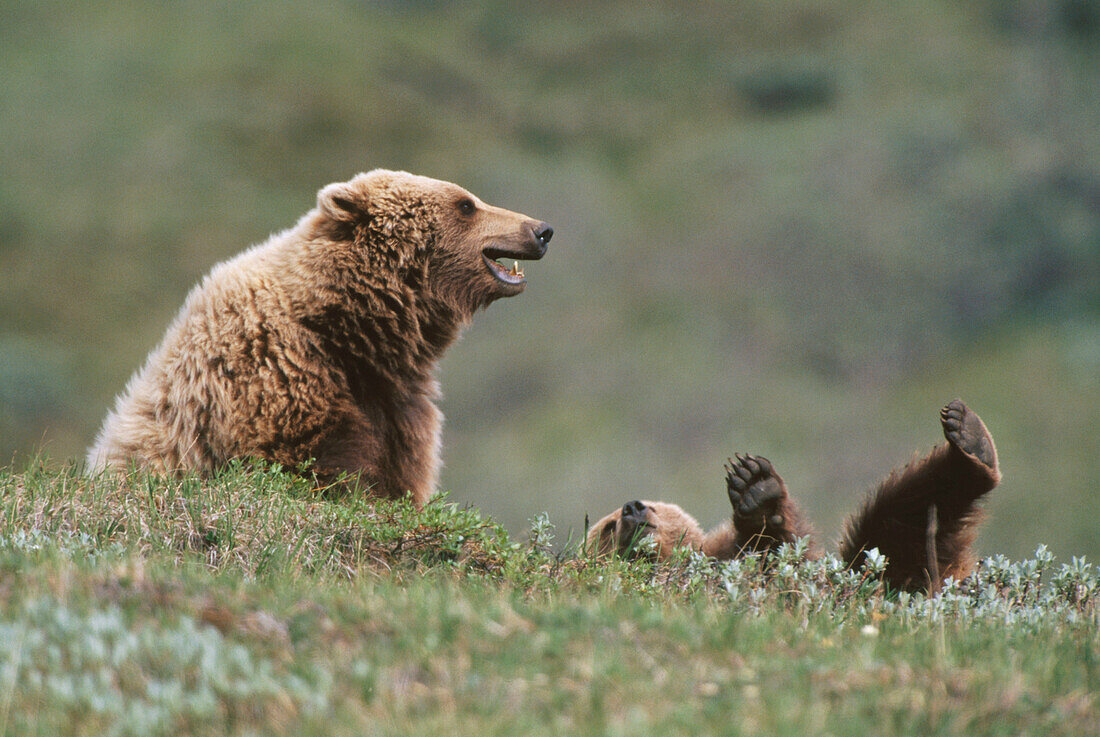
[(755, 491), (965, 430)]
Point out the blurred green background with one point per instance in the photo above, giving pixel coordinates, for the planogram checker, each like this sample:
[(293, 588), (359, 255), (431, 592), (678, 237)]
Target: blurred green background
[(794, 229)]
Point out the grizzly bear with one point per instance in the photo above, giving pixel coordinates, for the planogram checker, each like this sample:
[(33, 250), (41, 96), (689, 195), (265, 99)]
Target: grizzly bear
[(923, 517), (320, 345)]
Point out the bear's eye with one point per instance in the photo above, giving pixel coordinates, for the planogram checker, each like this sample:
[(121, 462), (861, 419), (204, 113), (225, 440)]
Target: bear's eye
[(466, 206)]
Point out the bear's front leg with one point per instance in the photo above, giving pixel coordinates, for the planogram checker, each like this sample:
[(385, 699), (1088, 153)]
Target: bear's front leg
[(764, 515)]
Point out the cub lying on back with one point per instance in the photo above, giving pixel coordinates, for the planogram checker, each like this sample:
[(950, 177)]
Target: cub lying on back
[(923, 517), (322, 343)]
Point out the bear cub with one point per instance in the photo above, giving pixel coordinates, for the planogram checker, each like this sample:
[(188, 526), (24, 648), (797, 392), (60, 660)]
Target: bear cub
[(923, 517)]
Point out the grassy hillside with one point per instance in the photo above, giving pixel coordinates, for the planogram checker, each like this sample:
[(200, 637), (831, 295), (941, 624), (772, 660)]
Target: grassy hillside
[(247, 605), (793, 231)]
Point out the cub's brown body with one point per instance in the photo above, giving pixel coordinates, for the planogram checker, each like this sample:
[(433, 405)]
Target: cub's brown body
[(923, 517), (321, 344)]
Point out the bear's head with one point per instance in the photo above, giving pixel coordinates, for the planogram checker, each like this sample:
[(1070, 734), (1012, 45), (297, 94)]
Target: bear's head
[(432, 236), (644, 528)]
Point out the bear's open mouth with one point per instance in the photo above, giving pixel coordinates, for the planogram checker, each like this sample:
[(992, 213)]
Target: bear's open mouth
[(512, 275), (508, 275)]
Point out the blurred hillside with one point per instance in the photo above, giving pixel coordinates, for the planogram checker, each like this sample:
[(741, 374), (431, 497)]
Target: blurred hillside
[(795, 231)]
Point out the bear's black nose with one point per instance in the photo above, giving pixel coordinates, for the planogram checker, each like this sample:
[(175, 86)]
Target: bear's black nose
[(634, 510), (543, 234)]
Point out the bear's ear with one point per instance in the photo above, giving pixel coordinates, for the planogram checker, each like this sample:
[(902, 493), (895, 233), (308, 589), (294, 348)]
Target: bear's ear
[(342, 202)]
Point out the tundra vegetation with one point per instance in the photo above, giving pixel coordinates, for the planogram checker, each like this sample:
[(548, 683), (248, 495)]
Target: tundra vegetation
[(252, 602)]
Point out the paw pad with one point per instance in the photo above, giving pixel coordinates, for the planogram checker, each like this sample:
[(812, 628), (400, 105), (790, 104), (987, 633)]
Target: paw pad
[(754, 489), (965, 430)]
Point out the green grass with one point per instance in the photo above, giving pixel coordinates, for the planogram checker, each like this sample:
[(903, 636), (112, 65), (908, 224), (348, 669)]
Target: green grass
[(251, 603)]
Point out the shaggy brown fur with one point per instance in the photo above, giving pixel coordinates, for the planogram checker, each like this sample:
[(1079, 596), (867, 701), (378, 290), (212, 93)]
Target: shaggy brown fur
[(321, 344), (923, 517)]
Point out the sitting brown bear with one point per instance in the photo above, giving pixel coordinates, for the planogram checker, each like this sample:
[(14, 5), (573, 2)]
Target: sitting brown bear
[(321, 344), (923, 517)]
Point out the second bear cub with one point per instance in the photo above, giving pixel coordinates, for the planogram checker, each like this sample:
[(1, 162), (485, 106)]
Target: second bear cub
[(923, 517)]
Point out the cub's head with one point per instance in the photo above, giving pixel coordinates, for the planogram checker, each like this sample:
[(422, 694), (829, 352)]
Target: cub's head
[(640, 527), (434, 236)]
